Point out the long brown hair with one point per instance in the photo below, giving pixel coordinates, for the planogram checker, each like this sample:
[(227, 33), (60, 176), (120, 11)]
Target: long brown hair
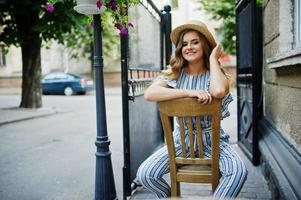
[(177, 61)]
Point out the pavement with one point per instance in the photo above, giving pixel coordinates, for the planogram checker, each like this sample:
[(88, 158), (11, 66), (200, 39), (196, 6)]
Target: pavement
[(255, 187), (14, 114)]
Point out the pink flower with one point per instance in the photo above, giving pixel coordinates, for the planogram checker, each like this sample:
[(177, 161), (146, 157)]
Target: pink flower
[(49, 7), (118, 26), (131, 25), (123, 32), (113, 5), (99, 4), (90, 25)]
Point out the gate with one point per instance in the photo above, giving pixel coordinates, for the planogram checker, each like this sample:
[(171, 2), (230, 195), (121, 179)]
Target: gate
[(249, 75), (142, 58)]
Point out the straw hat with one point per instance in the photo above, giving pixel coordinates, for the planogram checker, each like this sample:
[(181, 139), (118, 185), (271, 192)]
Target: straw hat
[(194, 25)]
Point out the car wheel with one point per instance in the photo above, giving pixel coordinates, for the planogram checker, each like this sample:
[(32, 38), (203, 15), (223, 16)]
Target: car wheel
[(68, 91)]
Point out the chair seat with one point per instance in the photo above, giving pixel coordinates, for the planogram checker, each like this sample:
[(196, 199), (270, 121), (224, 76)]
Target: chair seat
[(194, 173), (195, 168)]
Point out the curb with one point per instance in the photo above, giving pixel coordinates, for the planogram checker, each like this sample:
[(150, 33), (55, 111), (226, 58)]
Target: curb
[(15, 114)]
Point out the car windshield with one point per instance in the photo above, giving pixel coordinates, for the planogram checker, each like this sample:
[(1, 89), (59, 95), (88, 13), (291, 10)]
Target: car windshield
[(50, 76), (75, 76), (60, 76)]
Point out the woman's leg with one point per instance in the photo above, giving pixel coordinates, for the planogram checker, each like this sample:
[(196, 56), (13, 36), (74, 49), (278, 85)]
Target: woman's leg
[(151, 171), (233, 172)]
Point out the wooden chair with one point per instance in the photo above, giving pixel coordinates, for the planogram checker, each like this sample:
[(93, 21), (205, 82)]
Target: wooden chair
[(193, 169)]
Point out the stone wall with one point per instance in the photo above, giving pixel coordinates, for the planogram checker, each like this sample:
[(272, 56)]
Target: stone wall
[(282, 70), (280, 135)]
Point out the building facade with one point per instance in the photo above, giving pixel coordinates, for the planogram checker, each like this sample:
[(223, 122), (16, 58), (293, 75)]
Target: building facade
[(280, 128), (55, 58)]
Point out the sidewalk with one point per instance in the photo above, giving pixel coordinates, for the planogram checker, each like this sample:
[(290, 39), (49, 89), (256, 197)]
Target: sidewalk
[(10, 114), (14, 114)]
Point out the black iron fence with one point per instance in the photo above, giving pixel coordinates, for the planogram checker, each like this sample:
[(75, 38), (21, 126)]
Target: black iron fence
[(249, 75), (139, 80), (144, 55)]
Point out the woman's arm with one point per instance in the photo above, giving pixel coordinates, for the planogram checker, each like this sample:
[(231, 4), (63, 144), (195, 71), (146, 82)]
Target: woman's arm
[(219, 83), (160, 91)]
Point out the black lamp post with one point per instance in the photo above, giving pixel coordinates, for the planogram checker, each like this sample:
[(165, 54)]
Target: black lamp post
[(104, 178), (167, 31)]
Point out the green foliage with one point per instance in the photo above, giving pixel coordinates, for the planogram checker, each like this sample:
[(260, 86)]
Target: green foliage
[(49, 26), (80, 40), (223, 10), (174, 4), (259, 3), (64, 25)]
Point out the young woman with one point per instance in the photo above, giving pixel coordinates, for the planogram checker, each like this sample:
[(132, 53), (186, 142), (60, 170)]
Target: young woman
[(194, 72)]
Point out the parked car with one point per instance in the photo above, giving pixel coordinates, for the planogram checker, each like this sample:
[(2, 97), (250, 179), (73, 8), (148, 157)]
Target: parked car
[(66, 83)]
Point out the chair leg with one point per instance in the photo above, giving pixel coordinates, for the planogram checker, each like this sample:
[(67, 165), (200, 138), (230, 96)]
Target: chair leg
[(178, 189), (214, 185), (175, 189)]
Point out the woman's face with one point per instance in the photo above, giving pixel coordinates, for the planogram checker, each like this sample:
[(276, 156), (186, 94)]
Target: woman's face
[(192, 49)]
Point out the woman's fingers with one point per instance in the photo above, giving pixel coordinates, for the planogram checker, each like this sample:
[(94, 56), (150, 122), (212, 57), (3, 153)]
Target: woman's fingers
[(210, 97), (205, 101), (216, 52), (204, 97)]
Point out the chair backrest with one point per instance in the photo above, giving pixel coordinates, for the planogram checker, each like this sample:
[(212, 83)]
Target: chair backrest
[(188, 110)]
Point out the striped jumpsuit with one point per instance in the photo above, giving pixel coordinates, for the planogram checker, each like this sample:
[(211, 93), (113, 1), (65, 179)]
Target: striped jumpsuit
[(233, 170)]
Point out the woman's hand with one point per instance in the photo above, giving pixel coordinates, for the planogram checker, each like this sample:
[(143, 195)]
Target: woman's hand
[(203, 97), (216, 52)]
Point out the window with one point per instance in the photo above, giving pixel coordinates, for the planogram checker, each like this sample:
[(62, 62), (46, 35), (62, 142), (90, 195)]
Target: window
[(289, 51), (297, 23), (2, 56), (50, 76), (61, 76)]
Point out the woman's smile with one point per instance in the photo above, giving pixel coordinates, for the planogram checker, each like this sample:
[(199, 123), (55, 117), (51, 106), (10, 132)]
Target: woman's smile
[(190, 53)]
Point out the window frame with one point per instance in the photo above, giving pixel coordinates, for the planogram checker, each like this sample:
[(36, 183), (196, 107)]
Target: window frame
[(291, 54), (2, 56), (297, 23)]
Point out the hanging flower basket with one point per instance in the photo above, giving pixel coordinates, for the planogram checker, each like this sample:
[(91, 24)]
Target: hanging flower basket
[(89, 7), (117, 8)]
